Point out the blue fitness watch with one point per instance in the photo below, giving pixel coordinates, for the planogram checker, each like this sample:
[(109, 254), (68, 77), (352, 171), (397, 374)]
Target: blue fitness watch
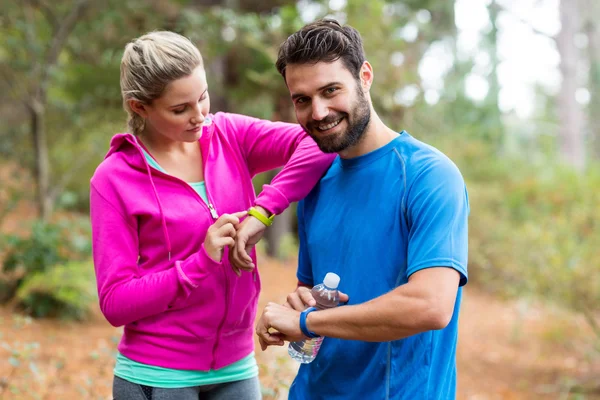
[(303, 327)]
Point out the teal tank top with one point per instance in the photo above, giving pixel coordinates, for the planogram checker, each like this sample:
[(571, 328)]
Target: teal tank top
[(149, 375)]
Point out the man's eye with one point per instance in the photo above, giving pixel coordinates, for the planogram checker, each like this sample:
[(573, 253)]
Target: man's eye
[(331, 90), (301, 100)]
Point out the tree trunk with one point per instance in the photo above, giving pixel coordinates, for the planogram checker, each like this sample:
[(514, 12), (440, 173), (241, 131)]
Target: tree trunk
[(571, 138), (593, 32), (282, 226), (495, 132), (41, 164)]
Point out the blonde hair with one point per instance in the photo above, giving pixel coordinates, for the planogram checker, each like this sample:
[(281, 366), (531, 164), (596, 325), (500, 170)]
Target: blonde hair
[(149, 64)]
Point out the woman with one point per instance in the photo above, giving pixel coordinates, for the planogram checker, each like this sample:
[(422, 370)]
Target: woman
[(165, 202)]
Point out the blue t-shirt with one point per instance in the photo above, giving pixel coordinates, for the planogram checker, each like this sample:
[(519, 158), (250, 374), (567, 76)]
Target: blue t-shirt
[(375, 220)]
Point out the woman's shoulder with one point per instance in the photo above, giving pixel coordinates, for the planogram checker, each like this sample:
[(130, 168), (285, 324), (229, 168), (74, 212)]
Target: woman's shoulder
[(110, 171), (228, 121), (116, 165)]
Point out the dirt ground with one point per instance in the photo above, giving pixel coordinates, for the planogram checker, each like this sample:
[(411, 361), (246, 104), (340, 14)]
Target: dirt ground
[(507, 350)]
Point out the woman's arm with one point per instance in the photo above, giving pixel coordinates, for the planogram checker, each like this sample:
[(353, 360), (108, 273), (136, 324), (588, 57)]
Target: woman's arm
[(125, 295), (267, 145)]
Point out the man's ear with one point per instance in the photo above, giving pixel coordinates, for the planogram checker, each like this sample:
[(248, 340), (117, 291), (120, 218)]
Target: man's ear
[(138, 108), (366, 76)]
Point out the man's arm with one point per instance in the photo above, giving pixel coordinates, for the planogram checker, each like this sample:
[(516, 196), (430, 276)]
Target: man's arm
[(425, 303)]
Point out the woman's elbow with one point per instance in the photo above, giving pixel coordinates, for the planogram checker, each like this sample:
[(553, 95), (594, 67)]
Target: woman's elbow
[(112, 314)]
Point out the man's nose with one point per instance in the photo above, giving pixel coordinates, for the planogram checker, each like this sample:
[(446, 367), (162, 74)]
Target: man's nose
[(319, 110)]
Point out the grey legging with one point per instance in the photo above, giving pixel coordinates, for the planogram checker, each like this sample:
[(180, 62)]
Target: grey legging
[(248, 389)]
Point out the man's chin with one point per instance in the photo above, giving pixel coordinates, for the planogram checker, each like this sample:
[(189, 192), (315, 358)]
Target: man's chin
[(327, 146)]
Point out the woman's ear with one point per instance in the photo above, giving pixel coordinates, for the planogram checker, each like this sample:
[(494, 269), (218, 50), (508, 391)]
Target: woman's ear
[(366, 76), (138, 107)]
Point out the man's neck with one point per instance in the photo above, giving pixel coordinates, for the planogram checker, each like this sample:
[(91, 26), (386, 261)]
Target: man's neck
[(376, 136)]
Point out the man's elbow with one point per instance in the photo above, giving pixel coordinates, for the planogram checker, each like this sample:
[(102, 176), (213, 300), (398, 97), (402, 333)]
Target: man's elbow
[(437, 317)]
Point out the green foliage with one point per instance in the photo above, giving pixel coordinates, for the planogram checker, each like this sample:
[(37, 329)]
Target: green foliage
[(534, 230), (45, 270), (35, 253), (64, 291), (47, 245)]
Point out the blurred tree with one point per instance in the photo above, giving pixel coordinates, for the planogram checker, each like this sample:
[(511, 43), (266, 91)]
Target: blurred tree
[(592, 30), (40, 33), (494, 131), (571, 135), (62, 64)]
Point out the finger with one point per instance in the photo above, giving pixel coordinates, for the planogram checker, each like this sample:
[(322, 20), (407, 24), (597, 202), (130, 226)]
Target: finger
[(306, 297), (233, 257), (246, 253), (262, 333), (273, 339), (242, 252), (225, 241), (263, 344), (295, 302), (230, 218), (241, 260), (234, 263), (227, 230), (240, 214), (344, 297)]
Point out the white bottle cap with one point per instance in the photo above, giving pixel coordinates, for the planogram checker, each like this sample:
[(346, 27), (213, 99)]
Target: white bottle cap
[(331, 280)]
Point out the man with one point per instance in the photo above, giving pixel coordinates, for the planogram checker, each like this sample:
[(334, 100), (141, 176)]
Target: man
[(390, 218)]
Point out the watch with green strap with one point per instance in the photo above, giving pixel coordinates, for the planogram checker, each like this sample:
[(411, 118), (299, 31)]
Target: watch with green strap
[(268, 221)]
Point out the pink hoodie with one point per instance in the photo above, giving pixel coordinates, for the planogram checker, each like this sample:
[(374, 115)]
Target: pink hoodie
[(180, 308)]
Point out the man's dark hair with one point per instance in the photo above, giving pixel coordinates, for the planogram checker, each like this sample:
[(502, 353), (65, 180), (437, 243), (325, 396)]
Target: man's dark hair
[(323, 40)]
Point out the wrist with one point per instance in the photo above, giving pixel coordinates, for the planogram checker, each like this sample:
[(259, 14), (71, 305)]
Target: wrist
[(304, 323), (261, 214), (263, 211)]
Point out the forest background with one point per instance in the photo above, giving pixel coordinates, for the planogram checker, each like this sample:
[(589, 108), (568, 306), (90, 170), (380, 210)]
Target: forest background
[(509, 89)]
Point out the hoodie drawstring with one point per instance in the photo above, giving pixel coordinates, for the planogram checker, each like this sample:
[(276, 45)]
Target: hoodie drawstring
[(160, 207)]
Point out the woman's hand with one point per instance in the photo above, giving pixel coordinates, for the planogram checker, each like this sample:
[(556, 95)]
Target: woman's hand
[(250, 231), (222, 233)]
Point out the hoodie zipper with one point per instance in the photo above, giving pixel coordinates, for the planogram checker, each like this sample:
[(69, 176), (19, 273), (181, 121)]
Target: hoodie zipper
[(215, 216), (212, 210)]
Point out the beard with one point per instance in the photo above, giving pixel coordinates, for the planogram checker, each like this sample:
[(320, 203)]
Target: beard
[(358, 119)]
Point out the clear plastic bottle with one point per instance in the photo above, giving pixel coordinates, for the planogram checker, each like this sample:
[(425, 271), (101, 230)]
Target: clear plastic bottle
[(327, 296)]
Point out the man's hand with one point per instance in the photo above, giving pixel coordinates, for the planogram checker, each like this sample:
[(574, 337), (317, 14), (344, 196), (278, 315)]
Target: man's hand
[(285, 320), (249, 232), (302, 298)]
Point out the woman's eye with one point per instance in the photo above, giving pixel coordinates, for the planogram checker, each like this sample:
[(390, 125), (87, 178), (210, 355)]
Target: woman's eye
[(179, 110)]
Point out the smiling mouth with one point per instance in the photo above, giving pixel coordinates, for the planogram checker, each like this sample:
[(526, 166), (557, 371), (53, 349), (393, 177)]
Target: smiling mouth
[(323, 128)]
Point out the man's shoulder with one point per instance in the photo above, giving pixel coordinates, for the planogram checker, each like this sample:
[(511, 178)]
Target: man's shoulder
[(421, 159)]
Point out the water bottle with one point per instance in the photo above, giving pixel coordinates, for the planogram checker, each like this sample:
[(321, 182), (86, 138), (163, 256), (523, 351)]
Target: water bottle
[(326, 296)]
